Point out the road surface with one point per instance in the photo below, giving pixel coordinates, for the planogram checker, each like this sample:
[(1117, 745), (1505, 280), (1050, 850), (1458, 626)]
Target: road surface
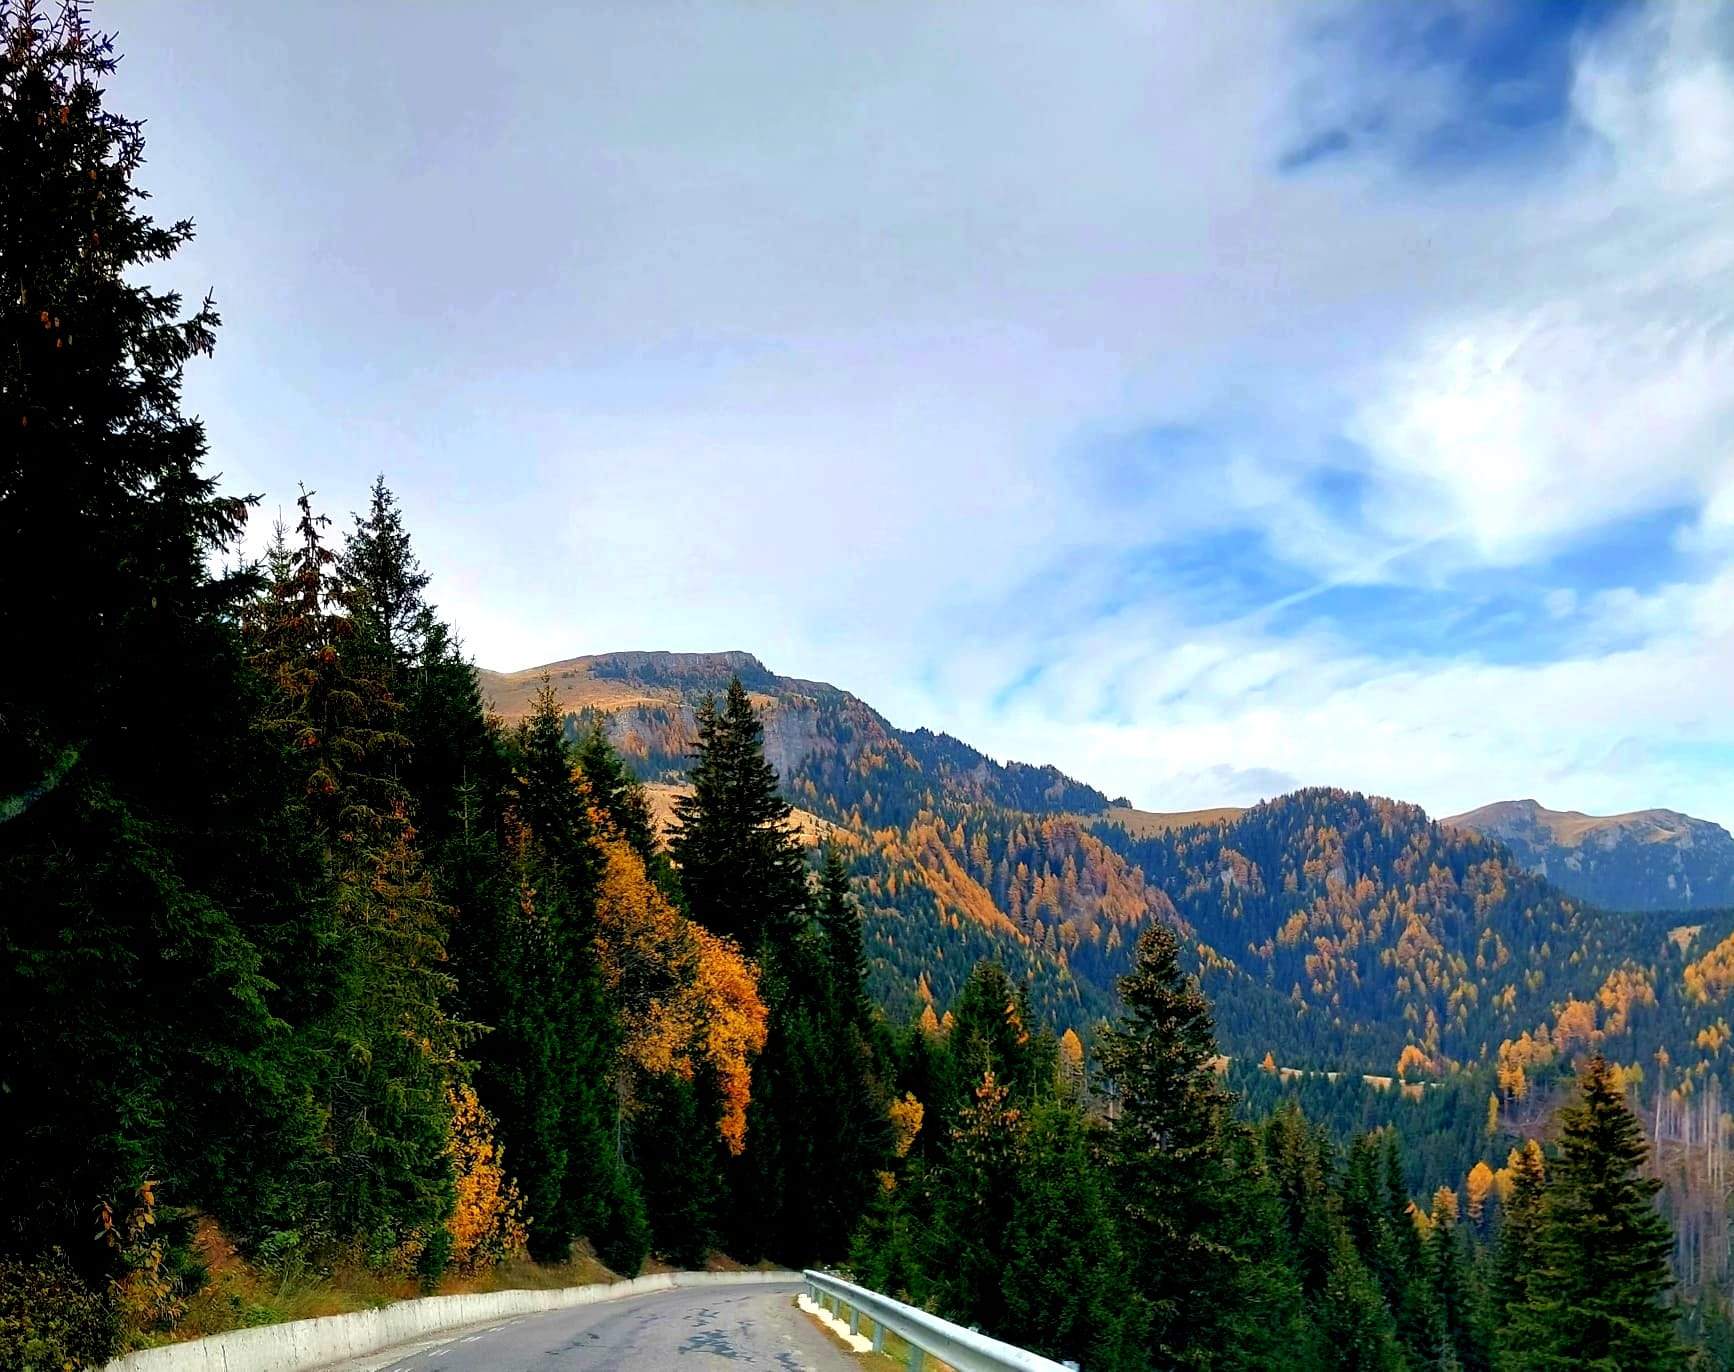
[(743, 1328)]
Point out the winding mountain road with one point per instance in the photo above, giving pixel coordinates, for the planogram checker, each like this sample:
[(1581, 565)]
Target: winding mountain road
[(686, 1330)]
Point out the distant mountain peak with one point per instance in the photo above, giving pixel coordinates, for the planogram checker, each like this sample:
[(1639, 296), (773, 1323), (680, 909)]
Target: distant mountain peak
[(1652, 859)]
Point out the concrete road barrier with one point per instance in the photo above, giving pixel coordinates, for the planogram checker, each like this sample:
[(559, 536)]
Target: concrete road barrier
[(299, 1345)]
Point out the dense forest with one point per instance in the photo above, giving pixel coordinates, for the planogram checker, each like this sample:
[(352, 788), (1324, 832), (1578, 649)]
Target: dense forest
[(295, 939), (302, 945)]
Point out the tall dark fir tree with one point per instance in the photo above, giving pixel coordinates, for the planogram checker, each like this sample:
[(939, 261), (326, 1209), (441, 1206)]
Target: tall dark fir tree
[(1598, 1296), (150, 954), (743, 874)]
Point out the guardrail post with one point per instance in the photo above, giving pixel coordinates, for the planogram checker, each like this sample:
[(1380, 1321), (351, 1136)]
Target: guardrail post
[(854, 1319), (917, 1358), (878, 1336)]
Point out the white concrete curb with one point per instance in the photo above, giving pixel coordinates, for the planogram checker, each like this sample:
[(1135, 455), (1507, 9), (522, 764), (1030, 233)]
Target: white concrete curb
[(301, 1345), (858, 1343)]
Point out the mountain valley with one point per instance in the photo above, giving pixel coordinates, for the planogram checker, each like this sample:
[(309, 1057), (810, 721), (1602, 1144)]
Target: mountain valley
[(1332, 930)]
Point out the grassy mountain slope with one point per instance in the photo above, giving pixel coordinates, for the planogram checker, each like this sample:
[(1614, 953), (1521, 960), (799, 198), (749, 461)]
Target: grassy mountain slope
[(1644, 860)]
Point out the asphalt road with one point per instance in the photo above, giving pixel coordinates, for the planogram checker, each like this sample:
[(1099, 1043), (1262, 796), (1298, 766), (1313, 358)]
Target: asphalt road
[(693, 1330)]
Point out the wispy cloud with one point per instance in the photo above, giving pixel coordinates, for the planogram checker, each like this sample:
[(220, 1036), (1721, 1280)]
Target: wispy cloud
[(1197, 396)]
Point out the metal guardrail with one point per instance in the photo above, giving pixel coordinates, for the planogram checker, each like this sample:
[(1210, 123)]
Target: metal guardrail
[(957, 1347)]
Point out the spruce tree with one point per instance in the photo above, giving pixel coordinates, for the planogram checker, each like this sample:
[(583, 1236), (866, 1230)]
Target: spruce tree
[(975, 1197), (839, 920), (1598, 1297), (1169, 1156), (1416, 1308), (387, 1046), (993, 1031), (742, 871), (550, 1067), (151, 942), (1448, 1268), (1063, 1284), (1353, 1326), (384, 582), (620, 796), (1515, 1254)]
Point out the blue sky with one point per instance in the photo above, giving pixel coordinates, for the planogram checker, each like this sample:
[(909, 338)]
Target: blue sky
[(1210, 399)]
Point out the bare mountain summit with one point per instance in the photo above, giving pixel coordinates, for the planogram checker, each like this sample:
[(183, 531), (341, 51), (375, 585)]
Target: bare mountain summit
[(1643, 860)]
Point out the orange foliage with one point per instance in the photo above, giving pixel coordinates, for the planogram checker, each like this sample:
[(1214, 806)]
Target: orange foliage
[(487, 1221), (906, 1117), (1575, 1026), (1476, 1187), (1624, 990), (684, 995), (733, 1024), (1071, 1057), (1711, 975)]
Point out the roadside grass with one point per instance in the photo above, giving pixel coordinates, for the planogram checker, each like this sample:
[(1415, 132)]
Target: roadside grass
[(237, 1294)]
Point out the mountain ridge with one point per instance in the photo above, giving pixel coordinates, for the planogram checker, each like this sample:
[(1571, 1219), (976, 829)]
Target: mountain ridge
[(1337, 930), (1653, 859)]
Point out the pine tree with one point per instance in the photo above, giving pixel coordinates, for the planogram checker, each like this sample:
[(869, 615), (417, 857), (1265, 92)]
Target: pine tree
[(384, 582), (1598, 1296), (839, 920), (1515, 1254), (1170, 1158), (151, 942), (741, 869), (551, 1066)]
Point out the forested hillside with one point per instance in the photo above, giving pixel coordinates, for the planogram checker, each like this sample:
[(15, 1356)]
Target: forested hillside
[(1334, 931), (956, 856)]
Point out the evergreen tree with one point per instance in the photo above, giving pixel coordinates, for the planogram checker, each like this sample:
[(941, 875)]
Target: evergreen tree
[(1170, 1158), (551, 1068), (816, 1129), (1417, 1308), (1063, 1284), (620, 796), (384, 582), (975, 1197), (151, 953), (674, 1143), (387, 1047), (1515, 1255), (1598, 1296), (741, 869), (1354, 1326), (993, 1031), (1375, 1211), (839, 920), (1458, 1331)]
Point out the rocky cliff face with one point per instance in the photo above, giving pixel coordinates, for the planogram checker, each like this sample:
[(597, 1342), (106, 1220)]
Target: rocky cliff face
[(1644, 860)]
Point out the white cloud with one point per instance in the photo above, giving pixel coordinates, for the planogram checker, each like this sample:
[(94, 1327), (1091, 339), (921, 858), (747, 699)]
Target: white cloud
[(788, 328), (1451, 735)]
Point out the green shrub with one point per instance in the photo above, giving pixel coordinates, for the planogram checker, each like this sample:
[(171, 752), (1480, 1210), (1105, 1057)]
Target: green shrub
[(51, 1320)]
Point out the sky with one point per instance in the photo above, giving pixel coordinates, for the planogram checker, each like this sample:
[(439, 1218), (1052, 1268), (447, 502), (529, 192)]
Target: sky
[(1208, 399)]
